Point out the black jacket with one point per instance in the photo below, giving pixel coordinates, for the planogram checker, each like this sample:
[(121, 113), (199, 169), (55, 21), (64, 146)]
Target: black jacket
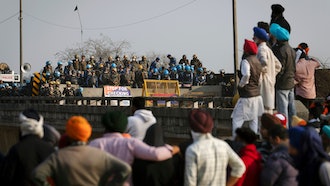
[(22, 158), (150, 172)]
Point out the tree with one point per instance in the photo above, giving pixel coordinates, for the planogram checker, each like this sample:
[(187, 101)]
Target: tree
[(102, 47)]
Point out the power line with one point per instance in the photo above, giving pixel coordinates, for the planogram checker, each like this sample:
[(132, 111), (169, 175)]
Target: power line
[(3, 21), (118, 26), (145, 20), (50, 23)]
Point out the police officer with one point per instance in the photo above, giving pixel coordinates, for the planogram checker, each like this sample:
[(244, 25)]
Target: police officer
[(76, 62), (140, 75), (69, 91), (174, 74), (48, 67), (154, 74), (187, 78), (135, 64), (144, 63), (60, 68), (165, 75), (127, 77), (114, 77), (45, 90), (126, 62), (83, 63)]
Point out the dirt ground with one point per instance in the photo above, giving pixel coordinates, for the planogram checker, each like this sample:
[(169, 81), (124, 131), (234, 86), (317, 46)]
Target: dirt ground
[(322, 82)]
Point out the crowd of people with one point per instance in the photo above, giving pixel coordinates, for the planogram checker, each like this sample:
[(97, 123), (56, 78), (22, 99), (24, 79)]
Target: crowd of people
[(81, 73), (132, 151), (271, 68), (268, 148), (126, 72)]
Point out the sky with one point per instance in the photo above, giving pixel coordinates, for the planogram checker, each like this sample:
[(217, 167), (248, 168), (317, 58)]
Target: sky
[(177, 27)]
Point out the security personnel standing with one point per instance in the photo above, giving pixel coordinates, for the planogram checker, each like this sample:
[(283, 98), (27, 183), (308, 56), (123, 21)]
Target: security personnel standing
[(114, 77), (69, 91), (144, 63), (57, 91)]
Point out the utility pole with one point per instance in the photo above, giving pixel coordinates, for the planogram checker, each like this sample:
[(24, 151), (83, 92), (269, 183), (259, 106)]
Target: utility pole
[(235, 44), (20, 43)]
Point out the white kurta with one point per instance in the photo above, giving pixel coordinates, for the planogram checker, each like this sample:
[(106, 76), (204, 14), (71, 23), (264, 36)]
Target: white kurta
[(271, 66), (246, 109)]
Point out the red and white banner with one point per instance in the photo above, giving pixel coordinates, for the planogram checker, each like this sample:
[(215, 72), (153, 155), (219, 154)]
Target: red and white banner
[(9, 77), (116, 91)]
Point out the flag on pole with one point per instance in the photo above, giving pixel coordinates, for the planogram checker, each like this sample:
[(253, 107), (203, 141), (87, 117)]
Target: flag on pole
[(75, 9)]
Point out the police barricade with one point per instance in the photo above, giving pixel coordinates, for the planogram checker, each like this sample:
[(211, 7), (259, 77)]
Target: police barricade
[(161, 88)]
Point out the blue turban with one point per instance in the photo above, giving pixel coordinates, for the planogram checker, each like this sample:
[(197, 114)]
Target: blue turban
[(261, 33), (296, 136), (280, 33), (326, 130)]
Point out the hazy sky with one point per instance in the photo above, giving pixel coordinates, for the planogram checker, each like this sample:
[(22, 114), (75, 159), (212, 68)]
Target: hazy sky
[(174, 27)]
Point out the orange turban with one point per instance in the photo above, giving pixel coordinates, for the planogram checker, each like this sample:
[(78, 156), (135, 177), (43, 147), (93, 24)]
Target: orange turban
[(78, 128)]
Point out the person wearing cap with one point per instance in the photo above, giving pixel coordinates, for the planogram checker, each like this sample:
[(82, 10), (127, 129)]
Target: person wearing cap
[(310, 159), (144, 62), (207, 158), (91, 61), (114, 77), (284, 87), (82, 63), (30, 151), (126, 62), (277, 17), (126, 149), (268, 121), (80, 164), (250, 156), (304, 77), (118, 62), (249, 106), (271, 66), (279, 169), (75, 62), (139, 75), (282, 119), (134, 63), (68, 91), (60, 68), (48, 67)]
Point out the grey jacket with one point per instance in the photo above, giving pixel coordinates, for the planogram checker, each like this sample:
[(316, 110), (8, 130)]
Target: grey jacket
[(81, 165), (278, 169), (286, 55)]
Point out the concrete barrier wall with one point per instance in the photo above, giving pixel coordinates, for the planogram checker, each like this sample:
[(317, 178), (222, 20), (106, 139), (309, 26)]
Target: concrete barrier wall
[(174, 120)]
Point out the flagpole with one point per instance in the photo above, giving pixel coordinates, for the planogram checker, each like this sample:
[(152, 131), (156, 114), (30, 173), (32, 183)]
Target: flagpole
[(81, 28), (20, 42)]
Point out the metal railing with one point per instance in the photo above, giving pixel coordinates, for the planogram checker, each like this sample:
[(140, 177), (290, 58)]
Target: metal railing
[(174, 102)]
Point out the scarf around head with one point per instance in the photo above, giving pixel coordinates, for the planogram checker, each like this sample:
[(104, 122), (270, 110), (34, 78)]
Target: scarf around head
[(31, 126)]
